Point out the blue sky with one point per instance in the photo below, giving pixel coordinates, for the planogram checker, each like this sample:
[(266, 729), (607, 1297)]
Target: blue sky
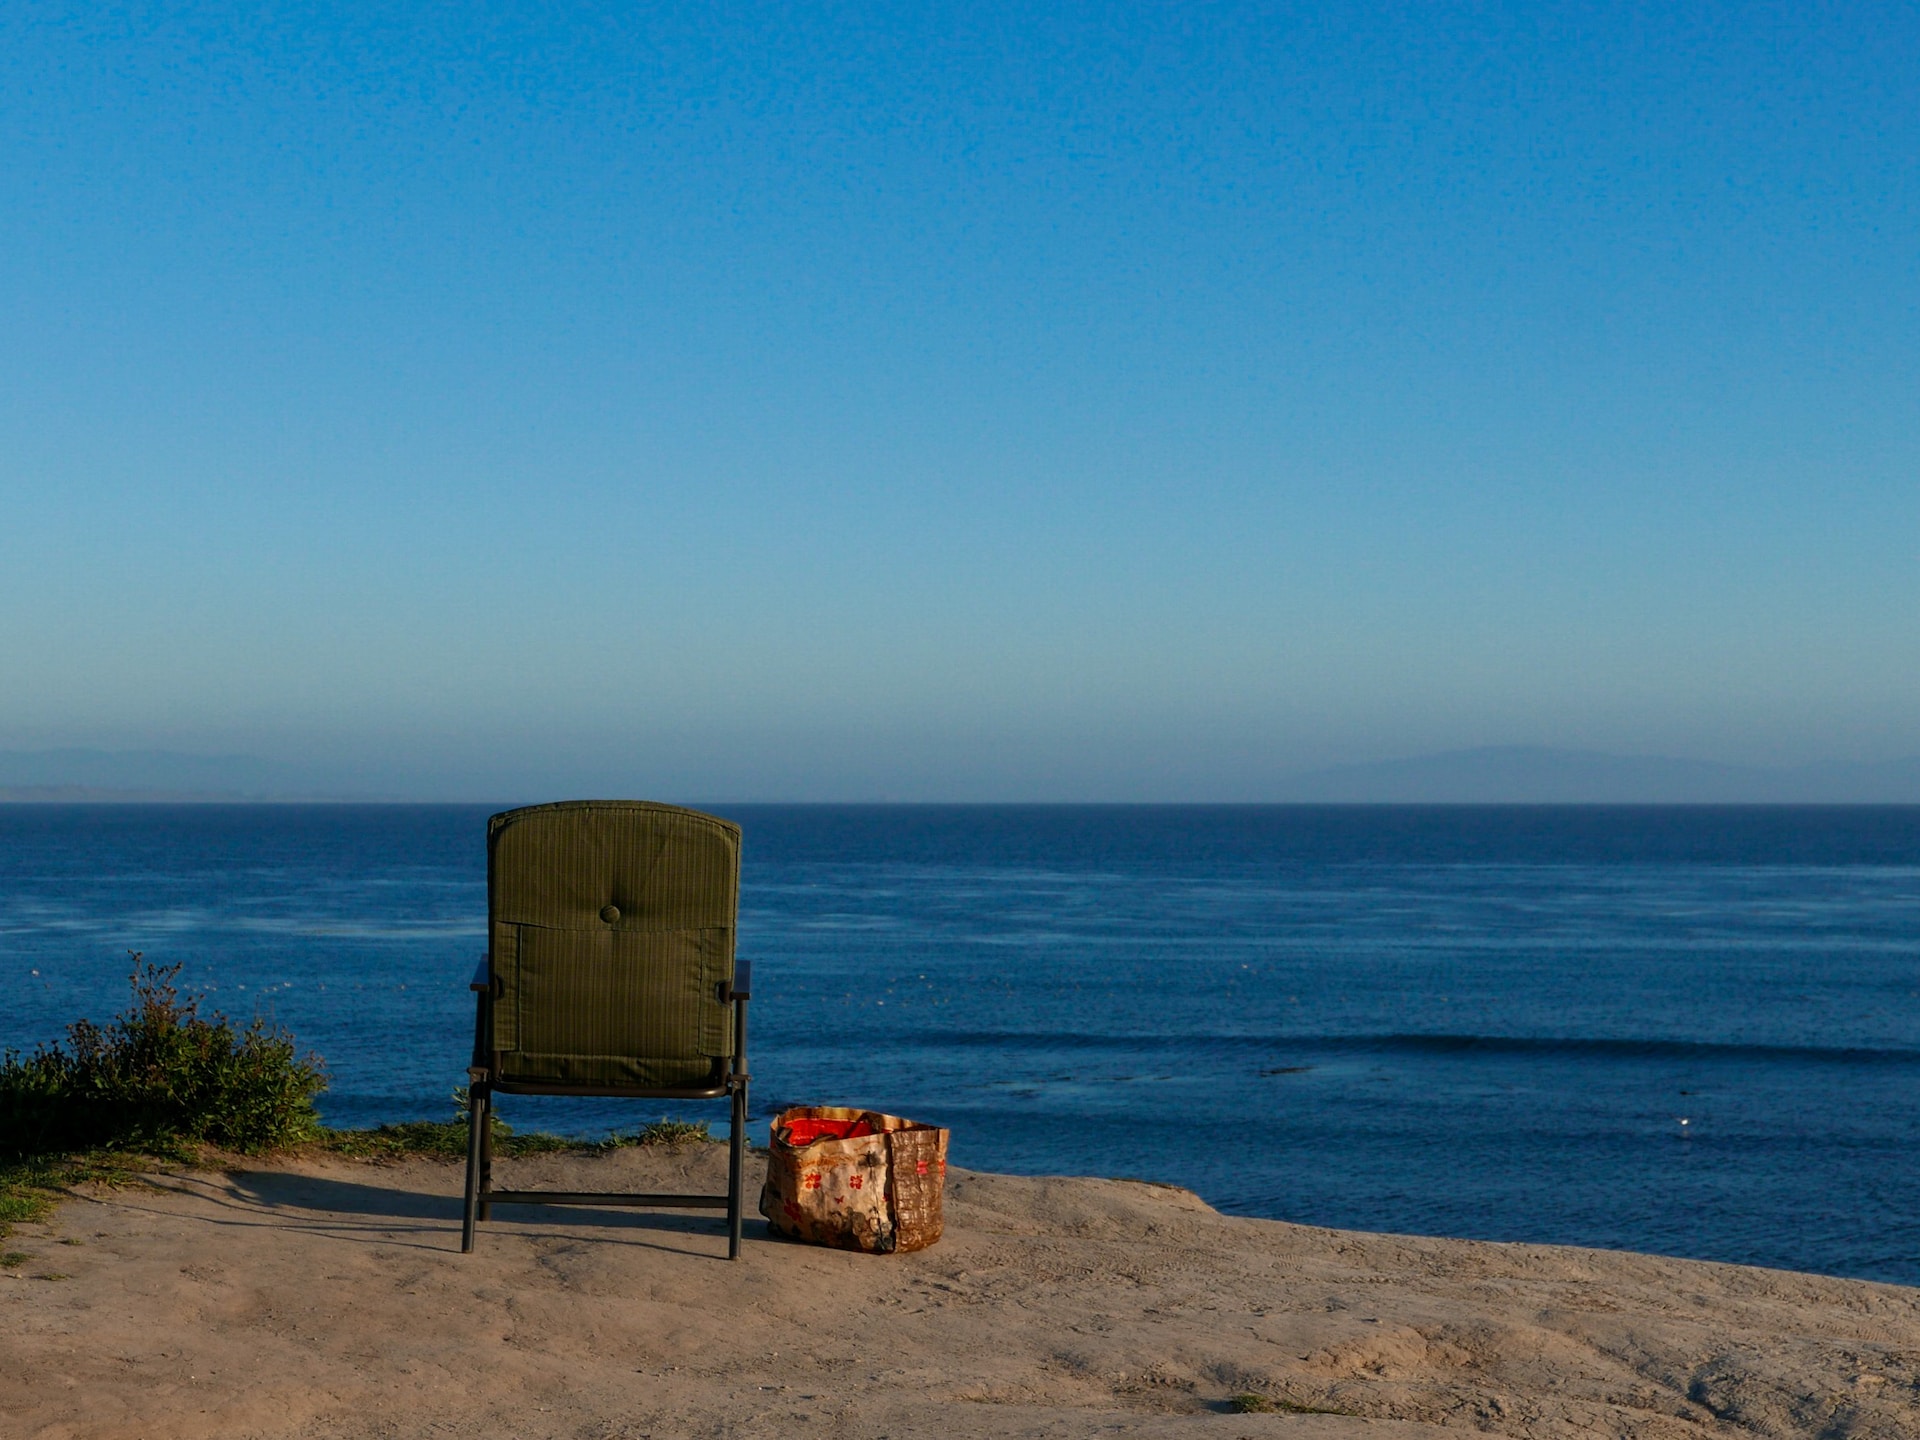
[(854, 402)]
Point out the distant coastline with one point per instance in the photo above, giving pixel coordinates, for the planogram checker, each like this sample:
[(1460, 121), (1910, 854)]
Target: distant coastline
[(97, 795)]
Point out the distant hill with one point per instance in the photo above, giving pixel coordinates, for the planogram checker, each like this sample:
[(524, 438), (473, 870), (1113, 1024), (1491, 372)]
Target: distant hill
[(1525, 774), (100, 795), (145, 775)]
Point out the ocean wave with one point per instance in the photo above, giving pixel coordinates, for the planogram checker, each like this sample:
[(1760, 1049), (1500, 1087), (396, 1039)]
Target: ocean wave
[(1591, 1047)]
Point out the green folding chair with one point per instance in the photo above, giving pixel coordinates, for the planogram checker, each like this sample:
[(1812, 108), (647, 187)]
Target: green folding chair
[(609, 971)]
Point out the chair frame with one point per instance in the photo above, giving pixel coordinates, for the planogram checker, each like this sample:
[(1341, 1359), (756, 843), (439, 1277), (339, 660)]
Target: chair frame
[(729, 1082)]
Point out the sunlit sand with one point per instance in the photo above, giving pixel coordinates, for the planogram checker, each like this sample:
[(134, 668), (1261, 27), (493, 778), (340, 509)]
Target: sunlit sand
[(328, 1298)]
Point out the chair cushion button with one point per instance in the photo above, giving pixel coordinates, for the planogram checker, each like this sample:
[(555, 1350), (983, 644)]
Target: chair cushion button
[(610, 913)]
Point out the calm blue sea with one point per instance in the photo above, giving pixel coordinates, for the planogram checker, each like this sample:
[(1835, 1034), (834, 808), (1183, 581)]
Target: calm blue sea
[(1485, 1022)]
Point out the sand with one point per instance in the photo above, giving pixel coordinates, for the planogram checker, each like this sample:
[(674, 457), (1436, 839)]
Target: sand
[(329, 1299)]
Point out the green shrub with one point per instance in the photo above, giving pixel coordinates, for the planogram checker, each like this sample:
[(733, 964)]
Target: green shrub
[(158, 1077), (161, 1077)]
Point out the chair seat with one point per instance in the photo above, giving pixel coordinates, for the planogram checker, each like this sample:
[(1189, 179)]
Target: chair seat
[(608, 1074), (709, 1089)]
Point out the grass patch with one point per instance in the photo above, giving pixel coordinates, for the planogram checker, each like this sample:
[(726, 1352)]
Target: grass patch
[(1251, 1403), (13, 1259), (29, 1189), (667, 1132), (447, 1139), (539, 1142), (27, 1193)]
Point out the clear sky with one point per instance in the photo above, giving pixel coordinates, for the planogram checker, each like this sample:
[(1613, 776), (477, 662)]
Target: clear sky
[(957, 402)]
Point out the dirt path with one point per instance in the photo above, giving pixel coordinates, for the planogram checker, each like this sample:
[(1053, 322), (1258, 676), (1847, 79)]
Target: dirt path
[(329, 1299)]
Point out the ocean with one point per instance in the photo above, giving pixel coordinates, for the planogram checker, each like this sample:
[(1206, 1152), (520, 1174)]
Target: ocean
[(1693, 1031)]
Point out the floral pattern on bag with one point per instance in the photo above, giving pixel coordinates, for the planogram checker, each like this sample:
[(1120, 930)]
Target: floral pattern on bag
[(855, 1179)]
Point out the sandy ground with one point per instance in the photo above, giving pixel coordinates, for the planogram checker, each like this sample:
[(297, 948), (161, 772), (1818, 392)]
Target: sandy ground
[(330, 1299)]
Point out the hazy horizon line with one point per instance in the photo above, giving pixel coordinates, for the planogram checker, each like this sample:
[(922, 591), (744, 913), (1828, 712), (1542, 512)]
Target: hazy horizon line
[(1486, 775)]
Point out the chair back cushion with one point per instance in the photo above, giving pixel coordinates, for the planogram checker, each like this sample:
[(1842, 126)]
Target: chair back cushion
[(610, 930)]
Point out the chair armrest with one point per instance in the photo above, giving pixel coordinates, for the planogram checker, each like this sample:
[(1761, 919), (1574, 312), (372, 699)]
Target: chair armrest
[(481, 979), (741, 986)]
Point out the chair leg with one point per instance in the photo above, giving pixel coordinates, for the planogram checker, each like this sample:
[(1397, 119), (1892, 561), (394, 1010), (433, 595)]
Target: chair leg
[(476, 1128), (486, 1155), (736, 1164)]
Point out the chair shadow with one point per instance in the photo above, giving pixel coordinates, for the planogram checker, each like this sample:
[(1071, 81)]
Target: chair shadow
[(385, 1215)]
